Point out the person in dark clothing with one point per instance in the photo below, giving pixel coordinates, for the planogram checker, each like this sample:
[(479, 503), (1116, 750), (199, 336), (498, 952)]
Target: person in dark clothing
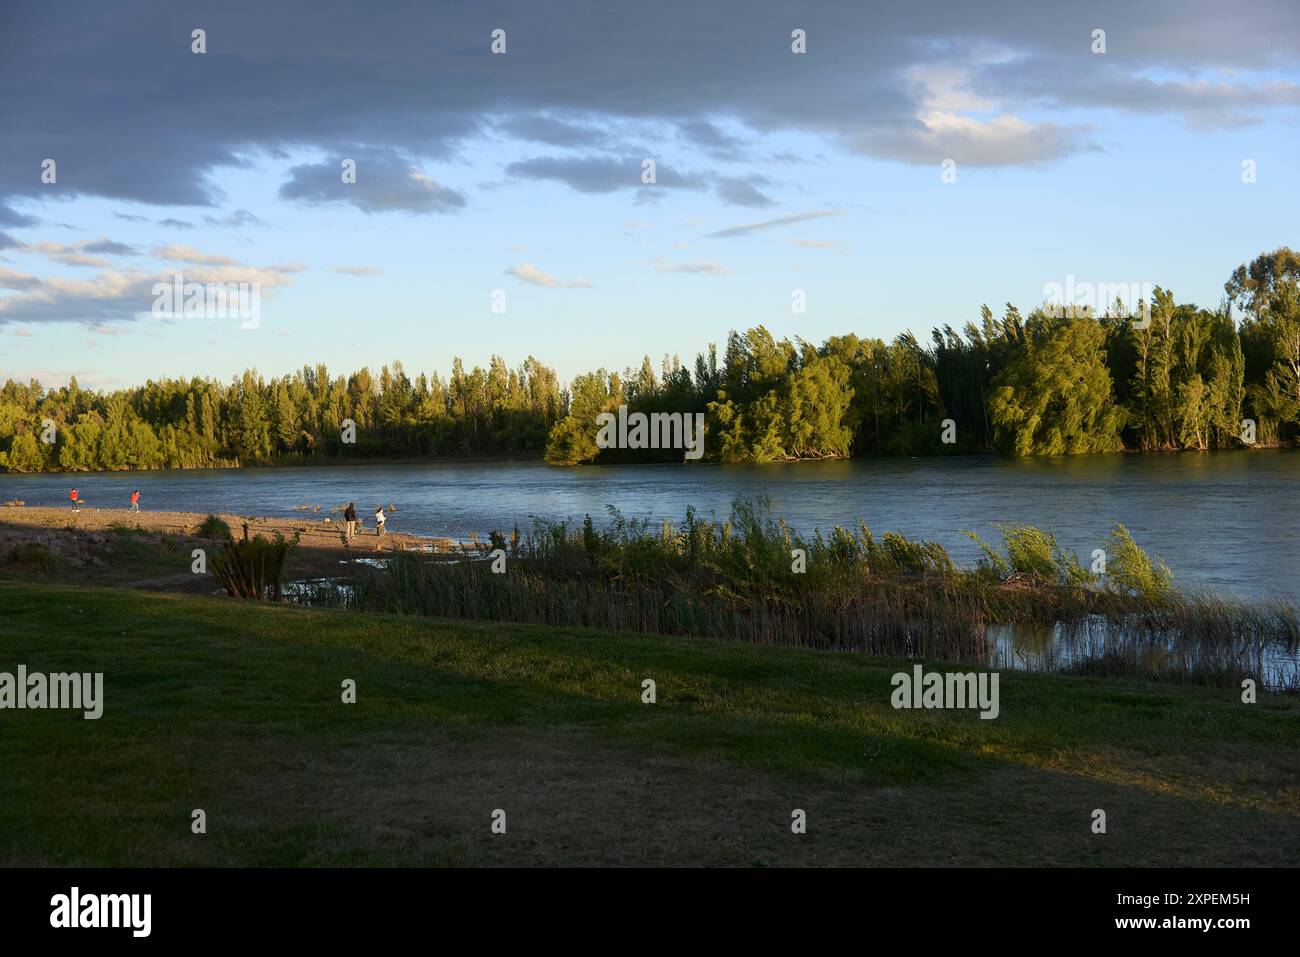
[(349, 522)]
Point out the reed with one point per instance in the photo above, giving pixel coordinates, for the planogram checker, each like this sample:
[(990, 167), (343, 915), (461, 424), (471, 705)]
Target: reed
[(752, 578), (254, 568)]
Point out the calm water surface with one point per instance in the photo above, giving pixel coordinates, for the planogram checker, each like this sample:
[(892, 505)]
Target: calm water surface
[(1227, 521)]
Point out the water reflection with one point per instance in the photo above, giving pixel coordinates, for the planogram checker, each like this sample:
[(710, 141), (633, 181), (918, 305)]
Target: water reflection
[(1093, 646)]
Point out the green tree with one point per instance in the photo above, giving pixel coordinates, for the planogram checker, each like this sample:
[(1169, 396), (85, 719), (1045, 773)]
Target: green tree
[(573, 439), (24, 454), (1056, 398)]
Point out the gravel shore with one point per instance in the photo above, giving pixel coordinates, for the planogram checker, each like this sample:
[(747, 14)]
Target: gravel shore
[(19, 524)]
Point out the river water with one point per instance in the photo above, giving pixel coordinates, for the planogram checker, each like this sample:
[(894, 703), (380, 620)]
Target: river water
[(1226, 521)]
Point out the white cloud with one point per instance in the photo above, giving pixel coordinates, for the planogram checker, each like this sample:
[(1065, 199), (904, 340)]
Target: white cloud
[(178, 253), (115, 295), (80, 253), (531, 274), (700, 266), (1003, 140)]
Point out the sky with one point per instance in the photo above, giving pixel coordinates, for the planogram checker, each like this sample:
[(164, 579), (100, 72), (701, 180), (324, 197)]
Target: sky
[(915, 161)]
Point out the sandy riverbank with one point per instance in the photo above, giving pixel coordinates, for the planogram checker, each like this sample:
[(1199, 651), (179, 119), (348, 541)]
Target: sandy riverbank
[(19, 523)]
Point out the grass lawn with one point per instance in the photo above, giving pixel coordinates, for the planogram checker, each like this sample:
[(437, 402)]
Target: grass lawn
[(237, 710)]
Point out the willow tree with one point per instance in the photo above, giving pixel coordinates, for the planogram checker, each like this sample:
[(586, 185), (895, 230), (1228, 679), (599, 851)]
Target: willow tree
[(816, 407), (1055, 397)]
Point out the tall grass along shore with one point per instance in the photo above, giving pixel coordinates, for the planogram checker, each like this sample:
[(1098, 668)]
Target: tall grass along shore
[(752, 578)]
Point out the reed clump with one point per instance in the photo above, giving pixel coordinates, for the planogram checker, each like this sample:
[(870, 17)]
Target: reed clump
[(751, 577), (254, 568)]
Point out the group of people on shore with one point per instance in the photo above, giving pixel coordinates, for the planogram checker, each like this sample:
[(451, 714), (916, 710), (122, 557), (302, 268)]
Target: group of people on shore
[(350, 524), (75, 498)]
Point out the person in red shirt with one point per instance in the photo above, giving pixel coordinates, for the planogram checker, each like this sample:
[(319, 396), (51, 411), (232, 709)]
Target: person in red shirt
[(73, 498), (135, 501)]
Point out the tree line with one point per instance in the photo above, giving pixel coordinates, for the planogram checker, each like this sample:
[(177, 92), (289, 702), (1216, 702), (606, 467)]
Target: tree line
[(306, 416), (1053, 382), (1147, 376)]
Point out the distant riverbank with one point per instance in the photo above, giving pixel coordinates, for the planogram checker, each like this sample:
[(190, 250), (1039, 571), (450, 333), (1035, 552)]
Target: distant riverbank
[(628, 459), (299, 461)]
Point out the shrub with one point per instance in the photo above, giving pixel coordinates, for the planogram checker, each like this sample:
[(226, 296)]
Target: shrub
[(213, 528), (1030, 550), (254, 568), (1073, 571), (32, 556), (1133, 571), (992, 563)]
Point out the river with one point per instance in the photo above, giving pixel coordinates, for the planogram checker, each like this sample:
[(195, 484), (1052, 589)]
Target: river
[(1226, 521)]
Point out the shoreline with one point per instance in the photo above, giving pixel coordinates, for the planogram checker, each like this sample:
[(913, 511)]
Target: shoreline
[(537, 457), (317, 534), (226, 465)]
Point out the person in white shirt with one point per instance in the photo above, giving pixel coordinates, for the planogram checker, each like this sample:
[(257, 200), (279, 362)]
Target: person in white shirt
[(379, 521)]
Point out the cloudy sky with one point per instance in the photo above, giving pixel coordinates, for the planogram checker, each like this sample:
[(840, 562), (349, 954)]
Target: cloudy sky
[(517, 177)]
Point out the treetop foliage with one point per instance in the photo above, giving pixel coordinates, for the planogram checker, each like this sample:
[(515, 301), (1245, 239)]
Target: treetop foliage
[(1184, 378)]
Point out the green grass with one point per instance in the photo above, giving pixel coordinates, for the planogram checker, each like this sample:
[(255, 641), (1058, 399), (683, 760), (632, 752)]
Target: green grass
[(216, 704)]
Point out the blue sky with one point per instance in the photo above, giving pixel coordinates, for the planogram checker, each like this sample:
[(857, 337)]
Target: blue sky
[(520, 172)]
